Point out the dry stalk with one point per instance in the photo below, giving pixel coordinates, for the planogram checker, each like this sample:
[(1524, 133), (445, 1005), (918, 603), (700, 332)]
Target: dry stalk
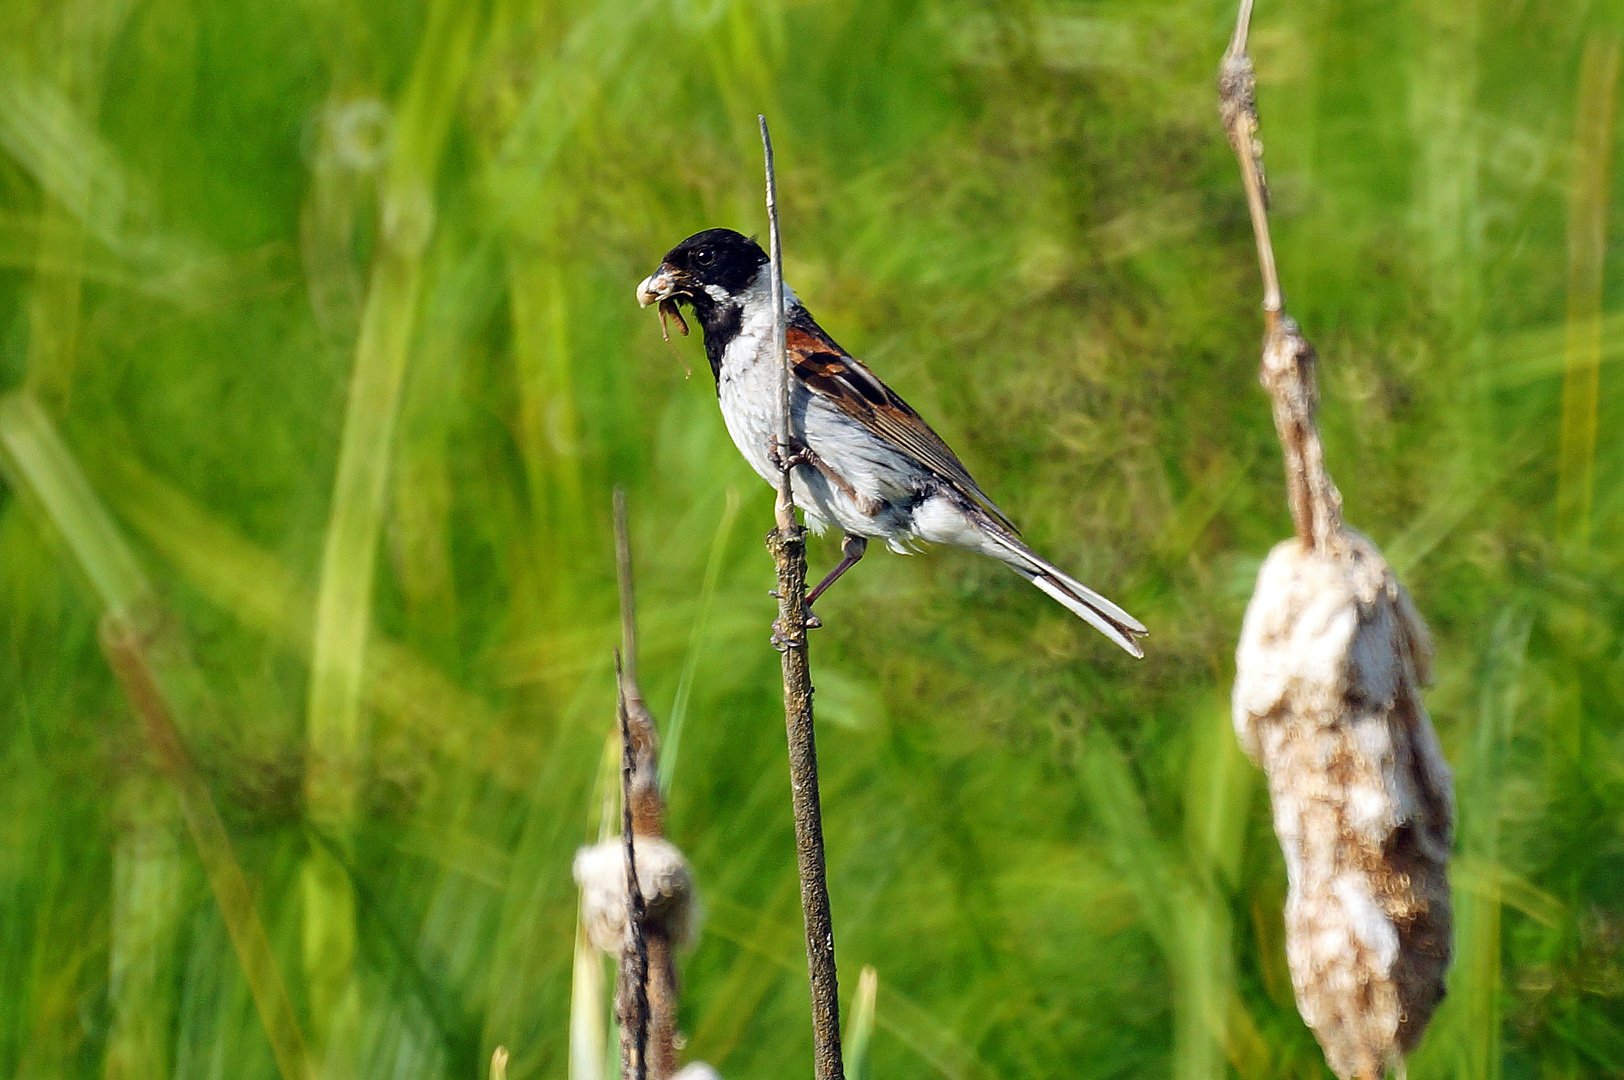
[(1329, 671), (637, 893), (666, 887), (631, 987), (645, 800), (787, 542)]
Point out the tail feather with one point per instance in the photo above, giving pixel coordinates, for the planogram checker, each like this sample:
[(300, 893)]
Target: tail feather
[(1073, 595)]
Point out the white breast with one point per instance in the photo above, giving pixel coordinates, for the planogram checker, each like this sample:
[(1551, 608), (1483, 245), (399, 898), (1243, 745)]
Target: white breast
[(747, 387), (878, 475)]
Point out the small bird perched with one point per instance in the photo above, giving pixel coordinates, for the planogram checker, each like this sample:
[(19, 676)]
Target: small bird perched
[(862, 459)]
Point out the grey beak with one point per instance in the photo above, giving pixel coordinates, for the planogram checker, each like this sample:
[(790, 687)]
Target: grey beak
[(660, 285)]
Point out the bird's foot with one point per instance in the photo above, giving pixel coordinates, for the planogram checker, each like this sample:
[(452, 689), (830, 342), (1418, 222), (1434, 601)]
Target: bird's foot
[(790, 454), (801, 454)]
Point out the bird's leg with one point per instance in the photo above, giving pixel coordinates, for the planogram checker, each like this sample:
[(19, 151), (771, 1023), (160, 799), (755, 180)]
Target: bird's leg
[(802, 454), (851, 549)]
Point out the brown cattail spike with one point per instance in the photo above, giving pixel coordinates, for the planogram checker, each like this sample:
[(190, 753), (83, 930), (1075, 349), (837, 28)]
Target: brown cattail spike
[(1328, 680), (1328, 683)]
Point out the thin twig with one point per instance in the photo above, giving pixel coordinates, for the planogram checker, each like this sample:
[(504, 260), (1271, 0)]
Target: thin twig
[(1288, 370), (788, 546), (648, 807), (632, 994), (785, 507), (1238, 99), (641, 793), (628, 597)]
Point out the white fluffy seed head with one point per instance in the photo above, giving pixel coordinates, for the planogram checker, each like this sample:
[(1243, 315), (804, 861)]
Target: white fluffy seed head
[(663, 878), (697, 1070), (1327, 700)]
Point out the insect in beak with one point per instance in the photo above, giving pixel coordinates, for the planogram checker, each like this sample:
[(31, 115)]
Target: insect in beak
[(669, 309)]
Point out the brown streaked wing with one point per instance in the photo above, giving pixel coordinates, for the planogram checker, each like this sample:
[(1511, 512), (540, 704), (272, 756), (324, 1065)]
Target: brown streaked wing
[(830, 372)]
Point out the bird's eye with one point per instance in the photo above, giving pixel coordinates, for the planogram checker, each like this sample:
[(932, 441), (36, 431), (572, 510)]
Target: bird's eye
[(704, 257)]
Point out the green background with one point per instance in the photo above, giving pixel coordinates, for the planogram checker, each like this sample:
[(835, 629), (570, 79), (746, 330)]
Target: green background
[(317, 331)]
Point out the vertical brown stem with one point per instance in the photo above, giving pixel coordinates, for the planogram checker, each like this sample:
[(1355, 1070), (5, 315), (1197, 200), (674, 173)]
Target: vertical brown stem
[(631, 996), (787, 543), (1288, 370), (645, 817), (662, 1006)]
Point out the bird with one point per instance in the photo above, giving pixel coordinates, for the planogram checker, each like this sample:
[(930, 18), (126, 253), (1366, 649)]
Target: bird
[(861, 459)]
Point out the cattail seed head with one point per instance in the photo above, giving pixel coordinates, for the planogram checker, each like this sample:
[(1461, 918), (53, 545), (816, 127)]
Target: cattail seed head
[(1329, 672), (697, 1070), (663, 878)]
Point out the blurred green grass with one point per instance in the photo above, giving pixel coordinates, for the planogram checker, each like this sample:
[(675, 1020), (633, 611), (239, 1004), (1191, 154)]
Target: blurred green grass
[(1024, 215)]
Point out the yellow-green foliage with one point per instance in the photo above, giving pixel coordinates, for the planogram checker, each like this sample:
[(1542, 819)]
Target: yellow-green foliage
[(218, 218)]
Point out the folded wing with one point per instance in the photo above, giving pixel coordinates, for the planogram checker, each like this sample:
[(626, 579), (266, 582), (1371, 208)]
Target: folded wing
[(831, 373)]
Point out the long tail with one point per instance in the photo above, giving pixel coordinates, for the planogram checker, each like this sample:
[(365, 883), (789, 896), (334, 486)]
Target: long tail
[(1072, 594)]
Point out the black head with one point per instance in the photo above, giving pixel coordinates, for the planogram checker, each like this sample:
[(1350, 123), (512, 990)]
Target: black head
[(722, 259), (710, 271)]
